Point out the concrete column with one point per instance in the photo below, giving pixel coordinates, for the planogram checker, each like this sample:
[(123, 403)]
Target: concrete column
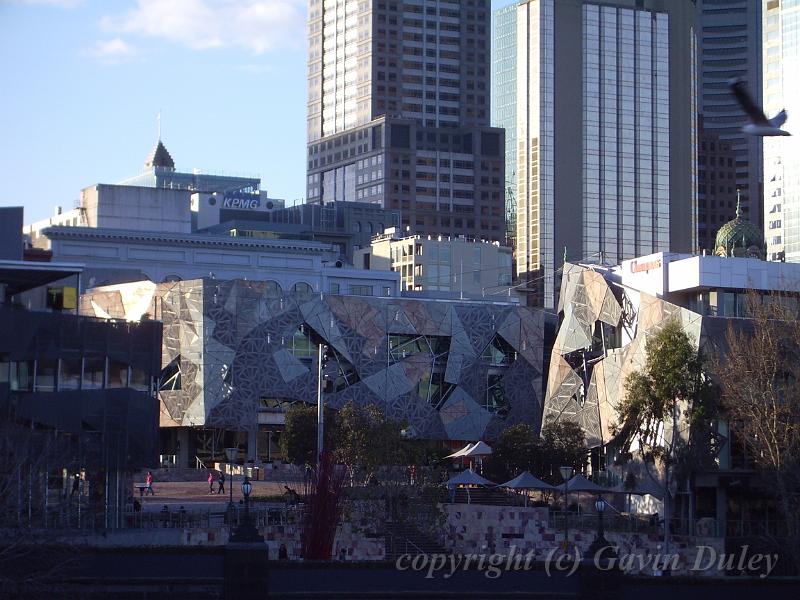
[(183, 452)]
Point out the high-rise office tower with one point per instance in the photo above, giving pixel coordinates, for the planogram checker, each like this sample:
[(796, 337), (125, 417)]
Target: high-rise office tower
[(607, 135), (781, 75), (504, 99), (729, 43), (398, 112)]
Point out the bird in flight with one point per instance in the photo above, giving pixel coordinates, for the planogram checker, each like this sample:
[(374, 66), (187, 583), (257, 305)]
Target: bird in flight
[(759, 123)]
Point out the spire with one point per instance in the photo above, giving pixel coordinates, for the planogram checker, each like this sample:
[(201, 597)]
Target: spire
[(738, 203)]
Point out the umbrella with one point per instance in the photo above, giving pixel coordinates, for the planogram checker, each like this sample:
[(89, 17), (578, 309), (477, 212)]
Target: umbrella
[(460, 453), (579, 483), (642, 488), (468, 477), (526, 481), (479, 449)]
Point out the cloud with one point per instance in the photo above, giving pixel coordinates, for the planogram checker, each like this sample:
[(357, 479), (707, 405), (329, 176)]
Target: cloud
[(256, 25), (112, 51)]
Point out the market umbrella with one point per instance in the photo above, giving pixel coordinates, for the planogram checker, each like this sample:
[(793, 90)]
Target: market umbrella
[(468, 477), (579, 483), (526, 481)]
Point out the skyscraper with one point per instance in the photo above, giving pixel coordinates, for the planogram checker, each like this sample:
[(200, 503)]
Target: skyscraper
[(730, 46), (607, 136), (504, 98), (782, 155), (398, 113)]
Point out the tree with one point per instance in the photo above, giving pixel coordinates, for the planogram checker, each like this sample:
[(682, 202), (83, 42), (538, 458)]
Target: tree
[(299, 438), (759, 377), (365, 439), (667, 411), (513, 452)]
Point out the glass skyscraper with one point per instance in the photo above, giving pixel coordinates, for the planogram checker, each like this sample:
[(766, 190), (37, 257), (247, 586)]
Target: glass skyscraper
[(782, 154), (606, 132), (504, 96)]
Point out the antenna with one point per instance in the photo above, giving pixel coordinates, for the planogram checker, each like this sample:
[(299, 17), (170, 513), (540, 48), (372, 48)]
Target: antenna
[(158, 119)]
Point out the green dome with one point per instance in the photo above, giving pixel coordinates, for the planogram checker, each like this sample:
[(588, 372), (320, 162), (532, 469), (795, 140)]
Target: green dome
[(740, 238)]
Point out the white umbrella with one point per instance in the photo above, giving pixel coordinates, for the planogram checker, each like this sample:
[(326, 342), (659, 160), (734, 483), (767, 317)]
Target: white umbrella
[(460, 453), (526, 481), (479, 449)]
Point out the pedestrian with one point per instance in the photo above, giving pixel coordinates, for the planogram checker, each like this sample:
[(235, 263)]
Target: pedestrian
[(76, 485), (210, 482), (283, 553), (221, 481), (148, 480)]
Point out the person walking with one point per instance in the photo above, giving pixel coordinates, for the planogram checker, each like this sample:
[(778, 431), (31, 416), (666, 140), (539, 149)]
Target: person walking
[(76, 485), (221, 481), (148, 480), (210, 482)]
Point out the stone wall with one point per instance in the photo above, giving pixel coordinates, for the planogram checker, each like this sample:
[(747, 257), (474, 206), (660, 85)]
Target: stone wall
[(480, 529)]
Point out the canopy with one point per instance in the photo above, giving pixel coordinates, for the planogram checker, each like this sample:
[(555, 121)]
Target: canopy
[(468, 477), (642, 488), (479, 449), (526, 481), (459, 453), (579, 483)]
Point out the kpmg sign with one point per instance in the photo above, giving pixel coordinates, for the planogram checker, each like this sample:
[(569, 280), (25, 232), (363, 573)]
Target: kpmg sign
[(241, 201)]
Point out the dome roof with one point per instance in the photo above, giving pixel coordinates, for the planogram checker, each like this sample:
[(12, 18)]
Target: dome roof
[(740, 238), (160, 158)]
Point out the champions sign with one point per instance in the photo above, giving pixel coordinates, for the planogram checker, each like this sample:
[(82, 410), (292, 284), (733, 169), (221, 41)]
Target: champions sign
[(638, 266)]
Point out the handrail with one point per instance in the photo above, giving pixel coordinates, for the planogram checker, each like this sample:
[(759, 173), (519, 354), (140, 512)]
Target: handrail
[(198, 464)]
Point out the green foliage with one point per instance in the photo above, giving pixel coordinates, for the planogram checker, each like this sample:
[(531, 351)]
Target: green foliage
[(562, 443), (670, 390), (298, 442)]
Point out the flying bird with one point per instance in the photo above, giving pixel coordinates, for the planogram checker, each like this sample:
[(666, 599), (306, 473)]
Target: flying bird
[(759, 124)]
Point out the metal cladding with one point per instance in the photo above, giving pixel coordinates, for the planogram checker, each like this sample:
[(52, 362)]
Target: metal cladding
[(601, 340), (234, 350)]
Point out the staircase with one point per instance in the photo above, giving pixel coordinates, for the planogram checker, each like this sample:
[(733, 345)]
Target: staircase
[(403, 538)]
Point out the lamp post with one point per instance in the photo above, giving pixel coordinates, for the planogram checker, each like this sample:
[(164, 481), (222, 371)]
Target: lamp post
[(566, 475), (600, 541), (231, 453), (246, 531)]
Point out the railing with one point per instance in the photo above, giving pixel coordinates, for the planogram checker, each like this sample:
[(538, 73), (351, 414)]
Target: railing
[(645, 524), (751, 528), (198, 464)]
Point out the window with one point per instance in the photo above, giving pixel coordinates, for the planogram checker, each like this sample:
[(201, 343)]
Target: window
[(387, 291), (334, 288), (301, 287), (46, 370), (20, 375), (94, 368), (117, 374), (361, 290), (70, 376)]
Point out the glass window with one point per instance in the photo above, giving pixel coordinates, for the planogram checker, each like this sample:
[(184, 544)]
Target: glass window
[(21, 376), (117, 374), (301, 287), (139, 380), (70, 378), (46, 370), (387, 290), (334, 288), (94, 368)]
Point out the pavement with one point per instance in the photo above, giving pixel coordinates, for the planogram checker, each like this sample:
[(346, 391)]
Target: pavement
[(194, 494)]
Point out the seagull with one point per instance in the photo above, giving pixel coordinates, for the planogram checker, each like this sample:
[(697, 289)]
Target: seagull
[(759, 124)]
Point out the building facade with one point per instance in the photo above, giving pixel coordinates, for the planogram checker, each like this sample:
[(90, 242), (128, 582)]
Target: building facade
[(452, 266), (504, 100), (607, 159), (729, 43), (237, 353), (717, 194), (781, 52), (398, 113)]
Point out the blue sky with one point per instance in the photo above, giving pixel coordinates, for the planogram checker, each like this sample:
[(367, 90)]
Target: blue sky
[(82, 82)]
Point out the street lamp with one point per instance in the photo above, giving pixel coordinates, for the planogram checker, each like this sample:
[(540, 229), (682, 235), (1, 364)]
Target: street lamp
[(600, 541), (246, 532), (232, 454), (566, 475)]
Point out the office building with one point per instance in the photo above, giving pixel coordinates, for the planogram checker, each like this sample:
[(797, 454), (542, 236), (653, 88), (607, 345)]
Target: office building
[(606, 113), (449, 267), (504, 101), (781, 75), (398, 113), (717, 196), (729, 43), (238, 353)]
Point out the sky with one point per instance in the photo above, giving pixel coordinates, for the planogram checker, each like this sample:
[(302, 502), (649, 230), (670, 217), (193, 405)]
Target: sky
[(82, 83)]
